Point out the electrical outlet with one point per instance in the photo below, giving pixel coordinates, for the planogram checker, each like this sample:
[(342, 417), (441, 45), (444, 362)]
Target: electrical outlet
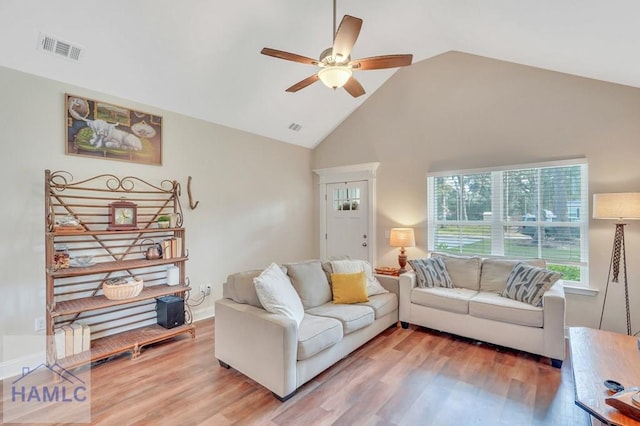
[(39, 324), (203, 289), (208, 290)]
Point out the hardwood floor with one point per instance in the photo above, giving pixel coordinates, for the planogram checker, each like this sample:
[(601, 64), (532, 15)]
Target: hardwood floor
[(401, 377)]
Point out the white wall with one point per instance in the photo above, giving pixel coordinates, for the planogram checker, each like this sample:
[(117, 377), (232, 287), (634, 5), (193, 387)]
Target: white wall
[(458, 111), (256, 194)]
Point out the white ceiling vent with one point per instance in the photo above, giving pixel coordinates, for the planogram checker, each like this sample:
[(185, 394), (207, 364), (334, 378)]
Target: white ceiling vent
[(55, 46)]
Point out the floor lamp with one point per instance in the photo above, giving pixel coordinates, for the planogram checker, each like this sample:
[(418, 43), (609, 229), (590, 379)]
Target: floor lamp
[(621, 207)]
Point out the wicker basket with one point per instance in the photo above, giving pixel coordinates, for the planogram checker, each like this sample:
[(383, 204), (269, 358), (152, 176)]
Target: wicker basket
[(122, 288)]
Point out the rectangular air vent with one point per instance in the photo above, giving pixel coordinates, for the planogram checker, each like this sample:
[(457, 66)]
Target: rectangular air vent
[(60, 48), (295, 127)]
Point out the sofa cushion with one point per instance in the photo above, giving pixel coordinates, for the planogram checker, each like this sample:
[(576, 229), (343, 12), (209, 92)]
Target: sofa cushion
[(494, 307), (528, 283), (382, 304), (447, 299), (349, 288), (316, 334), (431, 272), (349, 266), (352, 317), (310, 282), (495, 272), (463, 270), (239, 287), (277, 295)]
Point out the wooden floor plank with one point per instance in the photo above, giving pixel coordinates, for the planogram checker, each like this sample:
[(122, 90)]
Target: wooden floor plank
[(401, 377)]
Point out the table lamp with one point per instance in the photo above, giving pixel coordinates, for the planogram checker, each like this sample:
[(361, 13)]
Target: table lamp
[(402, 237), (619, 206)]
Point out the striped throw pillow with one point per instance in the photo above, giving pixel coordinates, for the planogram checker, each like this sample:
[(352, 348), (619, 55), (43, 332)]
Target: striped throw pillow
[(528, 283), (431, 272)]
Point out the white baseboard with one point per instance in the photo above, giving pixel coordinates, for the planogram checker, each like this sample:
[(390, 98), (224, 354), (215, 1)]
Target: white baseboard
[(14, 367), (200, 314)]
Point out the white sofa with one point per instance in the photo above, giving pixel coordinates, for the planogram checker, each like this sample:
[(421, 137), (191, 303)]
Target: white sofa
[(277, 353), (475, 308)]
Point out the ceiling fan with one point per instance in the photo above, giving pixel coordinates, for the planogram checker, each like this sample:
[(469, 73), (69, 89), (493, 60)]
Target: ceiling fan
[(336, 66)]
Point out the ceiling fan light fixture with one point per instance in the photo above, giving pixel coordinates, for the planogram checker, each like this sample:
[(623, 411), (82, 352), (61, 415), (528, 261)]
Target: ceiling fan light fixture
[(335, 76)]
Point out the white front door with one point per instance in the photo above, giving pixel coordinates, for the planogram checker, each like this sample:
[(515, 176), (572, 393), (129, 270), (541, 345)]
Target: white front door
[(347, 214)]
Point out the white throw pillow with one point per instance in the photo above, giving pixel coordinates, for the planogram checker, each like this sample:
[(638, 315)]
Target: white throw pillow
[(277, 295), (352, 266)]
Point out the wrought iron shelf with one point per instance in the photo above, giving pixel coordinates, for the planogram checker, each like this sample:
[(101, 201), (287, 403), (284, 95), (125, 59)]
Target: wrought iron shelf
[(132, 340), (83, 304), (87, 202), (119, 265), (60, 231)]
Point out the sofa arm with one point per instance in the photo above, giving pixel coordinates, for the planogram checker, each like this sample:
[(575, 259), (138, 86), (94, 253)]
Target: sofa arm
[(257, 343), (553, 303), (406, 283), (390, 283)]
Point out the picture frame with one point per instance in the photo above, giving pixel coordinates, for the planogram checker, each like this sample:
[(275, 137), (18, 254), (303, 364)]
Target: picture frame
[(123, 216), (103, 130)]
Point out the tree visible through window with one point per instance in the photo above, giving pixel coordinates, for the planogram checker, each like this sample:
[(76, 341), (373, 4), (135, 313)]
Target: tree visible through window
[(516, 212)]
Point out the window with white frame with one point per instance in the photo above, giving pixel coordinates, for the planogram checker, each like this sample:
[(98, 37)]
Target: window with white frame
[(526, 211)]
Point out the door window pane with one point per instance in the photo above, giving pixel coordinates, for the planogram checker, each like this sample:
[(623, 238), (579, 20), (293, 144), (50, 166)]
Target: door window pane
[(346, 199)]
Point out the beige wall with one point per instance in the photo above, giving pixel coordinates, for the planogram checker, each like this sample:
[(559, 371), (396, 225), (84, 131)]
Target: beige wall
[(256, 194), (459, 111)]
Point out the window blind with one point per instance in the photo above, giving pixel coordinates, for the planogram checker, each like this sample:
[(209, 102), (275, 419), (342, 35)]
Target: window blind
[(528, 211)]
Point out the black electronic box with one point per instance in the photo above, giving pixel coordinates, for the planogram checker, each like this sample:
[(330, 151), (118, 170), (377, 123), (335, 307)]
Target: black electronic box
[(170, 311)]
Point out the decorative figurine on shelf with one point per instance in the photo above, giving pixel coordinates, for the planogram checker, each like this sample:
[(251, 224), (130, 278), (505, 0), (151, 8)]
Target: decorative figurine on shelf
[(68, 220), (123, 216), (154, 251)]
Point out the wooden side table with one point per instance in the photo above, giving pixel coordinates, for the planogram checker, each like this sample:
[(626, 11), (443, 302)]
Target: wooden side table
[(596, 356), (391, 283)]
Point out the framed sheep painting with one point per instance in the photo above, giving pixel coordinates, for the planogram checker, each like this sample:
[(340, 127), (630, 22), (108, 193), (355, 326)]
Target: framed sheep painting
[(102, 130)]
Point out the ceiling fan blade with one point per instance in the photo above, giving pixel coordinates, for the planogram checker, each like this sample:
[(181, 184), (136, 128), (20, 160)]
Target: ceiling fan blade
[(303, 83), (382, 62), (346, 36), (288, 56), (354, 87)]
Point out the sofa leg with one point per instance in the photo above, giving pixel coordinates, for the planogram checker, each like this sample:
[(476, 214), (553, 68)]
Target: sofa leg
[(224, 364), (404, 325), (557, 363), (283, 398)]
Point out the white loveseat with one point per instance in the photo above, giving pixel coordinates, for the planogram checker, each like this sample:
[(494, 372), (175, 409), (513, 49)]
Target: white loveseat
[(277, 353), (475, 308)]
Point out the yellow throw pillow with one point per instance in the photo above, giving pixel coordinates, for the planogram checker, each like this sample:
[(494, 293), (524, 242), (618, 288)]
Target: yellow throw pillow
[(349, 288)]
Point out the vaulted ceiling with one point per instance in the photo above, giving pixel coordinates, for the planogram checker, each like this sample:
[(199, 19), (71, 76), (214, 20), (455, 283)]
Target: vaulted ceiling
[(202, 57)]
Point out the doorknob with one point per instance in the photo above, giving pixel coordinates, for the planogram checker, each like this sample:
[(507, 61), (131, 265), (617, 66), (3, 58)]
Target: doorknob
[(364, 244)]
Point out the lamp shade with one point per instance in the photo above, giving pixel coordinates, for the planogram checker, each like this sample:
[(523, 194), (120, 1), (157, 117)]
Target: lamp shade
[(618, 205), (335, 76), (402, 237)]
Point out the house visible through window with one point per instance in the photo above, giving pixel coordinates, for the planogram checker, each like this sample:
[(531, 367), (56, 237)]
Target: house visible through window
[(531, 211)]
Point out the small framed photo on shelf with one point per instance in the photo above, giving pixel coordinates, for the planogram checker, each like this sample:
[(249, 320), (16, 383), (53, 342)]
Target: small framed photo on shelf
[(123, 216)]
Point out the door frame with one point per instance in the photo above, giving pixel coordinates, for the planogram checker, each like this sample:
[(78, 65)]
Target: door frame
[(356, 172)]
